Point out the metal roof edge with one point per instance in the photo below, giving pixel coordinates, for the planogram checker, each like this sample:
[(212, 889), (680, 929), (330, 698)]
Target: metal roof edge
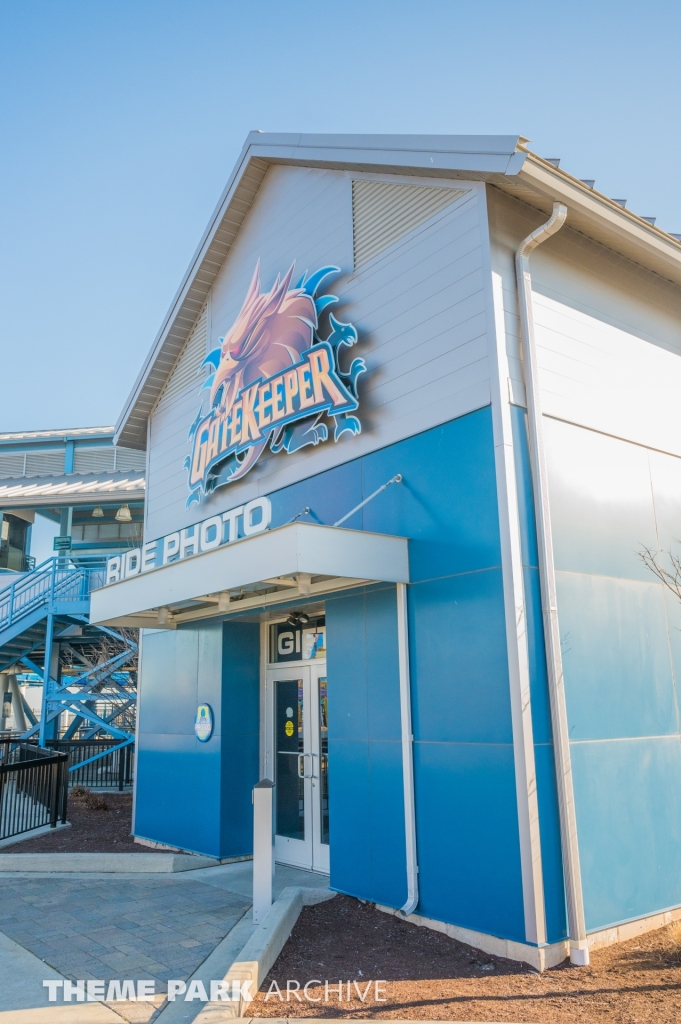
[(599, 217), (477, 155)]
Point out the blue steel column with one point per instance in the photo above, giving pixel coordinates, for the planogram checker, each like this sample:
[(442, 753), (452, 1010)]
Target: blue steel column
[(49, 629)]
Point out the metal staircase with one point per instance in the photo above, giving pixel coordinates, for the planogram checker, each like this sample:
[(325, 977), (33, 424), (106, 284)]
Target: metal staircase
[(44, 616)]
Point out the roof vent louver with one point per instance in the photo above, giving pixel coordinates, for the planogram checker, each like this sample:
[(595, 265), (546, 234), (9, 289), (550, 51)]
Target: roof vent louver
[(555, 160), (620, 202), (650, 220), (382, 213)]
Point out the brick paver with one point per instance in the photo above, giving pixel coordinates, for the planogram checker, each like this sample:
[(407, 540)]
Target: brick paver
[(156, 927)]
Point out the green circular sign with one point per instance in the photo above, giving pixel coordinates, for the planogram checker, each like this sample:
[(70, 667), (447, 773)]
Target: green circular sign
[(203, 723)]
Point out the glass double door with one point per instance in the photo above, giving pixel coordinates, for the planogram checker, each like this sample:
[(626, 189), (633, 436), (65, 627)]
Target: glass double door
[(297, 699)]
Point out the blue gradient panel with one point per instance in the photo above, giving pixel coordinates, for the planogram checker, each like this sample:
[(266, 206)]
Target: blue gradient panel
[(618, 673), (469, 852), (366, 802), (178, 798), (629, 821), (621, 657), (193, 795), (240, 735), (459, 665), (601, 502)]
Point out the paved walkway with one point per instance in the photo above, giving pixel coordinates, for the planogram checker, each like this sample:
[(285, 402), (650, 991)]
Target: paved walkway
[(111, 926)]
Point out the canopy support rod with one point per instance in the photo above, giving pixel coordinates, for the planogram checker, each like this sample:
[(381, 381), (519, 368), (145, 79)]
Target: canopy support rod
[(397, 479)]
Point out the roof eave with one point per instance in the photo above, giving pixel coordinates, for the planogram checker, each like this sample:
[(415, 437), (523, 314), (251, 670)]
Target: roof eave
[(498, 160), (597, 216), (452, 156)]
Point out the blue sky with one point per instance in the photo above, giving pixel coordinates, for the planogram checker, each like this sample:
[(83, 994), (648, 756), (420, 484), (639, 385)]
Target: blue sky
[(120, 121)]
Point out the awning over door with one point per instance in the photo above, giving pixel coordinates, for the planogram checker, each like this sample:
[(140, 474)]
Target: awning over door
[(286, 564)]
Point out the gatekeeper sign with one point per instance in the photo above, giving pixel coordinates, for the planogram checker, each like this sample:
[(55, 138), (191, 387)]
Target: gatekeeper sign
[(274, 382)]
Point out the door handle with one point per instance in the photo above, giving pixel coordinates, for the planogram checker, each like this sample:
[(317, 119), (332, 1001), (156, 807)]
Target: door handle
[(302, 774)]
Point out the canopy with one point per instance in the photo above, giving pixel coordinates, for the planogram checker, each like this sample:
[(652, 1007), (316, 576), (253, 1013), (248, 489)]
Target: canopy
[(296, 561)]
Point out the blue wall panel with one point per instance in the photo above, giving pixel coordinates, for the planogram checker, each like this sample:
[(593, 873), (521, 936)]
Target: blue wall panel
[(446, 504), (366, 804), (615, 657), (180, 669), (468, 843), (447, 507), (240, 735), (621, 652), (628, 797), (197, 796), (458, 660)]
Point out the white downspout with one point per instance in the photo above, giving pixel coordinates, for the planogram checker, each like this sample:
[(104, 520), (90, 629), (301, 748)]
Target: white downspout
[(407, 752), (579, 948)]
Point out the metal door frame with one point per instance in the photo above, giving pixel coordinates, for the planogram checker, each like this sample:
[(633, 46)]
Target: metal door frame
[(310, 853)]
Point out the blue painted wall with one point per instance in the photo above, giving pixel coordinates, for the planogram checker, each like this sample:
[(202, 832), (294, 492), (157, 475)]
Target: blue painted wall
[(189, 794), (621, 646), (366, 818), (468, 840)]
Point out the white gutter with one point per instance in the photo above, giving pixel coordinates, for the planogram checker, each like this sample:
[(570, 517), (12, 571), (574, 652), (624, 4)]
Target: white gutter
[(407, 752), (579, 949)]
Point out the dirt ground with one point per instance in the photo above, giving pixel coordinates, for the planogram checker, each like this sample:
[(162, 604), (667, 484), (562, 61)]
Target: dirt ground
[(429, 976), (92, 830)]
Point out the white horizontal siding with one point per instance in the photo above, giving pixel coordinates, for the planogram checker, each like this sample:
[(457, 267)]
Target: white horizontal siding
[(608, 333), (418, 307)]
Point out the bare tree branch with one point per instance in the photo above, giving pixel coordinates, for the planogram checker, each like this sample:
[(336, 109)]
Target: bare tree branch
[(671, 577)]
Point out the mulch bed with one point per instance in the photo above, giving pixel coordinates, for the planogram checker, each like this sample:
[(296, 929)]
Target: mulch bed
[(93, 830), (429, 976)]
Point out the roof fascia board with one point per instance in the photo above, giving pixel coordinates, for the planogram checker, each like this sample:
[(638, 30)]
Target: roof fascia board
[(601, 218)]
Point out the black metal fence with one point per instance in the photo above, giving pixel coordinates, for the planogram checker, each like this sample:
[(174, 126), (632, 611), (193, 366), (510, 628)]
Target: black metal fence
[(111, 771), (34, 788)]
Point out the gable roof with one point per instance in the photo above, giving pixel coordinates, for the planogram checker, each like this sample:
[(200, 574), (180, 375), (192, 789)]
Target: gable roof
[(501, 160)]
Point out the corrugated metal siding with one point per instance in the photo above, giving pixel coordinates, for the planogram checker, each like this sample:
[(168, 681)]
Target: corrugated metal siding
[(11, 465), (128, 461), (93, 460), (382, 213), (185, 372), (50, 463), (108, 460)]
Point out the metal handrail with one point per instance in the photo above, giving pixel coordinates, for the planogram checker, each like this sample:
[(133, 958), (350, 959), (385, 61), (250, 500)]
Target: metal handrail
[(50, 581), (33, 790)]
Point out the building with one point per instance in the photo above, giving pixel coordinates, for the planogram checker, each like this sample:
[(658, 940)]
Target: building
[(76, 478), (365, 478), (89, 494)]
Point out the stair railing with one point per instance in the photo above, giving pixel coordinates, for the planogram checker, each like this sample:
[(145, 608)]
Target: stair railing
[(50, 581)]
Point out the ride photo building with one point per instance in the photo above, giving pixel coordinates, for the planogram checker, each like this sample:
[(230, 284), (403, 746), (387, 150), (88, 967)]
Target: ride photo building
[(412, 441)]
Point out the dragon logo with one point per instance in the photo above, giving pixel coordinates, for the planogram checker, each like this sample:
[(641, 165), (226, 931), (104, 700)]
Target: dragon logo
[(274, 382)]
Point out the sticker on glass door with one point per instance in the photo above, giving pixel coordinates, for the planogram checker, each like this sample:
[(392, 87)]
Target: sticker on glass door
[(289, 741)]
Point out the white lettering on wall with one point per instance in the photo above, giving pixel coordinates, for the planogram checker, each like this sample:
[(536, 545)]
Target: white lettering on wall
[(243, 521)]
